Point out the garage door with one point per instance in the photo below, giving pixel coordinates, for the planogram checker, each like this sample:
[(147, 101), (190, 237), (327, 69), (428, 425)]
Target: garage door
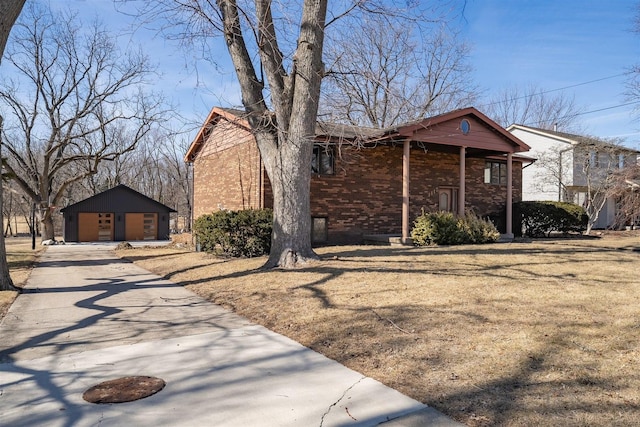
[(141, 226), (94, 227)]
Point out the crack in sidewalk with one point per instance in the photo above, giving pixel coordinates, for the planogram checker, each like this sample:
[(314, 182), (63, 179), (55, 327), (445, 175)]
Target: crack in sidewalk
[(338, 401)]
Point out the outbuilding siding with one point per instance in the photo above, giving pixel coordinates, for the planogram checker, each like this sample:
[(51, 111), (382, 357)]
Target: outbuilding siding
[(118, 201)]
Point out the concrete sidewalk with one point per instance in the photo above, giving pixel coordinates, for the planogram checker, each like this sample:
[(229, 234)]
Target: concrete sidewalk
[(88, 317)]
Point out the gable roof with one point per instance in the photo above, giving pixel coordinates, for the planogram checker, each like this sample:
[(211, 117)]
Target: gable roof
[(327, 131), (324, 130), (569, 138), (233, 115), (108, 197), (413, 128)]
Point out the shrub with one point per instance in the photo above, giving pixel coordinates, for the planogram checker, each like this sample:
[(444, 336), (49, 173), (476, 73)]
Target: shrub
[(540, 219), (479, 230), (244, 233), (445, 228)]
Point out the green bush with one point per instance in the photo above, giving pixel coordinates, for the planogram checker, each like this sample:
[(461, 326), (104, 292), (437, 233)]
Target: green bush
[(540, 219), (445, 228), (244, 233)]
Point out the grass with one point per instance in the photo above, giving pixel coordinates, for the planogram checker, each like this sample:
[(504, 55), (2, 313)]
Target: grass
[(520, 334), (21, 259), (512, 334)]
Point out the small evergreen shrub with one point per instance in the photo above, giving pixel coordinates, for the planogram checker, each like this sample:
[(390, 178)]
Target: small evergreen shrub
[(540, 219), (244, 233), (479, 230), (445, 228)]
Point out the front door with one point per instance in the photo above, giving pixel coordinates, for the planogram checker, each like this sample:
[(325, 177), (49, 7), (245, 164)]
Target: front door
[(448, 199)]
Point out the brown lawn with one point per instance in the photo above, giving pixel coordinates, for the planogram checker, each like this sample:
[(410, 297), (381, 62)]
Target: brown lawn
[(520, 334), (21, 259)]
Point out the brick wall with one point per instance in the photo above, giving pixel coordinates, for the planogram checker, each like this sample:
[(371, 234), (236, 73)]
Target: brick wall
[(363, 197), (227, 176), (365, 194)]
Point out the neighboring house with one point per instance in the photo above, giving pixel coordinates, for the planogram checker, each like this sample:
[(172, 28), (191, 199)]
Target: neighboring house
[(565, 161), (367, 181), (119, 213)]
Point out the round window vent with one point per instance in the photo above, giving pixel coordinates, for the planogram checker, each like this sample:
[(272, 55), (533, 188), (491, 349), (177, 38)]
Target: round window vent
[(465, 126)]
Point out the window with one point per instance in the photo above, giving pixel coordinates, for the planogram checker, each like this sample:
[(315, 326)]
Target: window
[(594, 159), (319, 233), (580, 198), (105, 226), (322, 160), (495, 173), (621, 161), (149, 226)]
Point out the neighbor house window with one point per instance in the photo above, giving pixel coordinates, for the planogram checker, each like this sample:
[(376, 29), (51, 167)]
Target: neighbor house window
[(322, 160), (495, 173), (621, 161), (319, 231), (594, 159)]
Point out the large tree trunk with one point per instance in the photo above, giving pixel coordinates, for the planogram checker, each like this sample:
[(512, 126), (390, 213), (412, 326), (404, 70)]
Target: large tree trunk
[(48, 231), (9, 11), (285, 137), (290, 163), (288, 170), (6, 284)]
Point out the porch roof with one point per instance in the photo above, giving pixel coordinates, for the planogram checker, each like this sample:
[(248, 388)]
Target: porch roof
[(446, 130)]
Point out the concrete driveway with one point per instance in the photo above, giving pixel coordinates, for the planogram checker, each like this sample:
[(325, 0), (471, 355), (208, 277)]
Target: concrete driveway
[(87, 317)]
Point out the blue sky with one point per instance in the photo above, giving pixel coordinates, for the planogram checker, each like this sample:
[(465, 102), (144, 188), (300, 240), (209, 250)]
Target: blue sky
[(555, 44), (549, 43)]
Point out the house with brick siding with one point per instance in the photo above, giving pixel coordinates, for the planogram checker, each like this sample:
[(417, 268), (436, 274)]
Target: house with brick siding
[(368, 181)]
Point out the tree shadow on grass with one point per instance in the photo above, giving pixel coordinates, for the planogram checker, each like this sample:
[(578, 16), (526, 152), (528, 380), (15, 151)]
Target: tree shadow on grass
[(539, 386)]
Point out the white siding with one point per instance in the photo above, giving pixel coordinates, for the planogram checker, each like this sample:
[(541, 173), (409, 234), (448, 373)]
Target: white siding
[(537, 184)]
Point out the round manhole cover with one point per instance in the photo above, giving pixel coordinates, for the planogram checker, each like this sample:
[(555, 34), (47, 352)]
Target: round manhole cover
[(126, 389)]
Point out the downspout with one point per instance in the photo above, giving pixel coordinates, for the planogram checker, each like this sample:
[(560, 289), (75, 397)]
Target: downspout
[(192, 185), (560, 171)]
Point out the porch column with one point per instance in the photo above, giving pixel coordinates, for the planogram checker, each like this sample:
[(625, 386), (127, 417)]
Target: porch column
[(405, 191), (461, 189), (509, 224)]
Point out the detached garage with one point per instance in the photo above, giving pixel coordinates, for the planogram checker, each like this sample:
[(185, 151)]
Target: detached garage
[(120, 213)]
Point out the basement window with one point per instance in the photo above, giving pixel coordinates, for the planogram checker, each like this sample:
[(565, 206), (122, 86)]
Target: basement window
[(319, 230), (322, 160)]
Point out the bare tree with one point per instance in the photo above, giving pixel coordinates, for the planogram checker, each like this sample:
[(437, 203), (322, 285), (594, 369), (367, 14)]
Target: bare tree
[(155, 168), (535, 107), (600, 162), (632, 92), (9, 12), (386, 71), (179, 179), (625, 190), (554, 171), (277, 52), (76, 94), (279, 68)]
